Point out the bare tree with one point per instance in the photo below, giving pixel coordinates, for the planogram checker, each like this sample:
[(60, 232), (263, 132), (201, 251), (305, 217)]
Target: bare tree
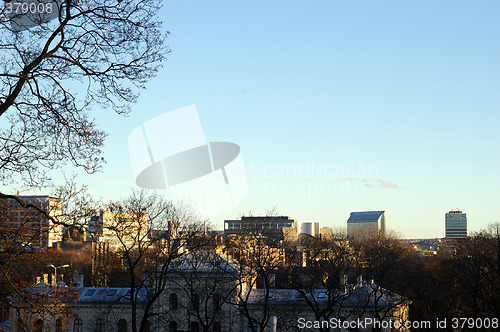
[(95, 52), (382, 259), (259, 263), (203, 286), (475, 268), (28, 228), (328, 263), (149, 234)]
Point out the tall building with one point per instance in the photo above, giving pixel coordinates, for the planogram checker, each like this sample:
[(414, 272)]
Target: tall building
[(366, 224), (29, 227), (456, 225)]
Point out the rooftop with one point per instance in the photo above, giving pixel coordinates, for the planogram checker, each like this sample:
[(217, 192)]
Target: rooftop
[(205, 263), (110, 295), (361, 296), (365, 216)]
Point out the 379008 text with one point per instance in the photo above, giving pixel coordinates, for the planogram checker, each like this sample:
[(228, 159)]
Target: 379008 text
[(472, 323), (24, 8)]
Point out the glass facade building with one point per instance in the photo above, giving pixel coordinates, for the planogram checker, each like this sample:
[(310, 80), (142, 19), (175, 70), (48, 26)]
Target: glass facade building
[(366, 224), (456, 225), (270, 226)]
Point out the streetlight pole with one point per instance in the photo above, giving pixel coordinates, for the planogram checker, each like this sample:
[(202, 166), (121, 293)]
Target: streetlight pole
[(55, 269)]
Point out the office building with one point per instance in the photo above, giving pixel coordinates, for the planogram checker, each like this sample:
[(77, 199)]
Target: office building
[(366, 224), (269, 226), (456, 225), (30, 227)]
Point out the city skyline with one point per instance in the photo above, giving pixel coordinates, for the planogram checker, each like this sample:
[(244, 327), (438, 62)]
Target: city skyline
[(337, 107)]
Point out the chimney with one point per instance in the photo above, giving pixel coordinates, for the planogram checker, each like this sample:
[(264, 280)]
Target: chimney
[(343, 283), (274, 323), (360, 280), (78, 280), (272, 280)]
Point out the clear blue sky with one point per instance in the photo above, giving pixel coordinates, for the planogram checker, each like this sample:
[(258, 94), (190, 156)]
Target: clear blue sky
[(398, 100)]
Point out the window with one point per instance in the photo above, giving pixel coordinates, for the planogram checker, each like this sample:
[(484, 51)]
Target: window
[(217, 302), (172, 302), (172, 326), (195, 327), (195, 302), (38, 326), (122, 325), (90, 292), (252, 327), (58, 325), (99, 324), (78, 325), (147, 327)]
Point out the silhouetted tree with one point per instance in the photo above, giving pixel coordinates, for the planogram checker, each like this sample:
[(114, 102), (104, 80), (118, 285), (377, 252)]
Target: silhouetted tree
[(476, 274), (329, 262), (149, 232), (91, 53)]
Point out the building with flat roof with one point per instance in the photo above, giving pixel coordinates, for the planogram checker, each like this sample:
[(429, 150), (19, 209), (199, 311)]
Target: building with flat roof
[(269, 226), (366, 224), (27, 225), (455, 225)]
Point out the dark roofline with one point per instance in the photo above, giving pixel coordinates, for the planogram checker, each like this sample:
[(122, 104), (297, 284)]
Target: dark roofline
[(365, 216)]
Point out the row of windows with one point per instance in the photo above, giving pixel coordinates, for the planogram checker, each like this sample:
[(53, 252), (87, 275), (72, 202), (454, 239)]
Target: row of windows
[(78, 325), (194, 327), (173, 302)]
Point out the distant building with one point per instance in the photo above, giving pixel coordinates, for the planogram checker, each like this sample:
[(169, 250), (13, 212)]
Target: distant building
[(310, 229), (456, 225), (30, 227), (269, 226), (366, 224), (307, 227), (118, 229), (326, 233)]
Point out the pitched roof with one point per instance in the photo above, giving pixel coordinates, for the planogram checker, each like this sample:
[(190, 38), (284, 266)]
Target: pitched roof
[(204, 262), (366, 296), (109, 295)]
